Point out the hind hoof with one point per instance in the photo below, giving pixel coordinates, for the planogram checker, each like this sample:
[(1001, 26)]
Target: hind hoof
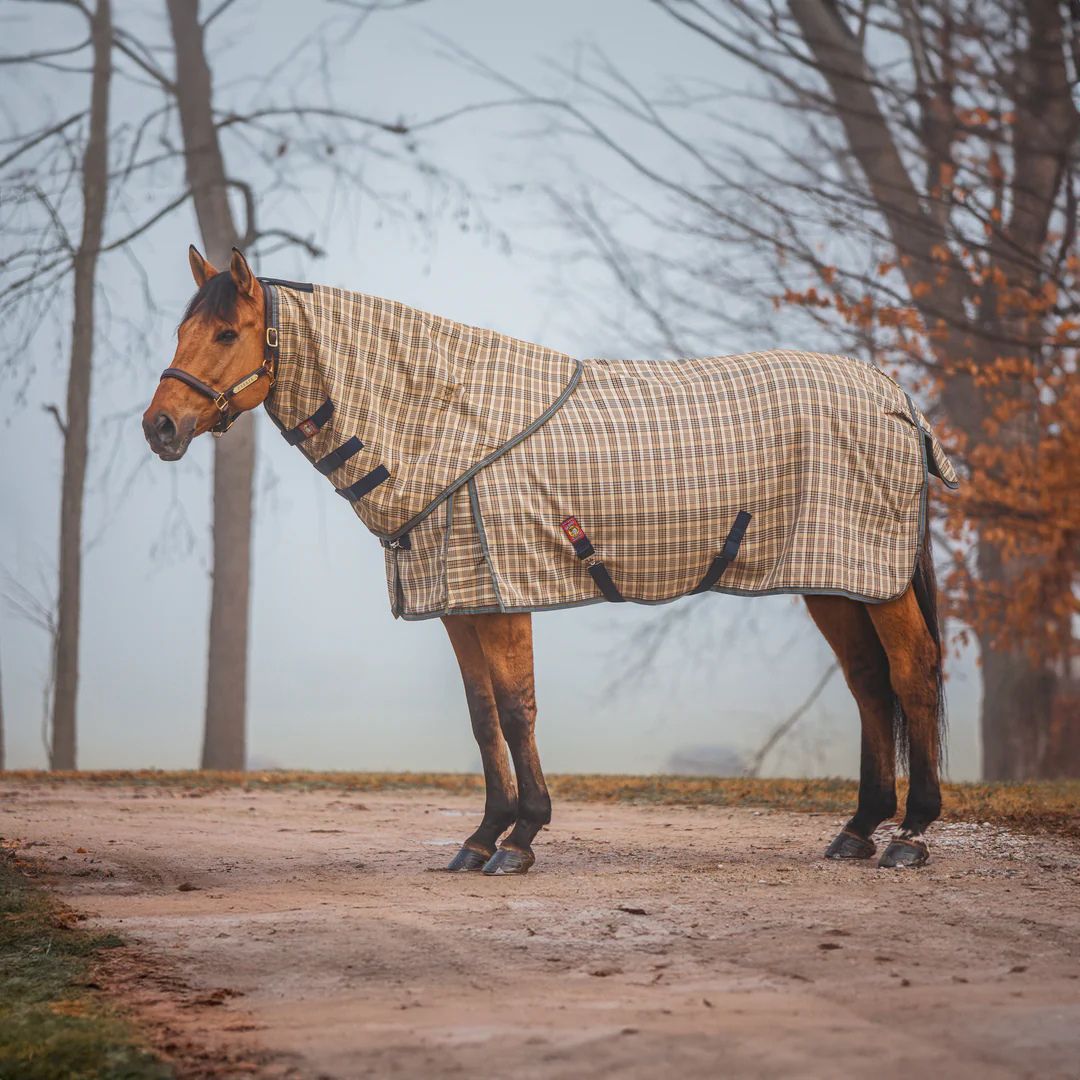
[(467, 859), (849, 845), (509, 860), (904, 853)]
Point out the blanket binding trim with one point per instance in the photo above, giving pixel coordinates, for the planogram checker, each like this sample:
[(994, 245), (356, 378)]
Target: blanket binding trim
[(466, 476)]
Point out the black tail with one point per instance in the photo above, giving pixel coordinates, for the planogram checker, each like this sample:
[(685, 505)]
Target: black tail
[(924, 582)]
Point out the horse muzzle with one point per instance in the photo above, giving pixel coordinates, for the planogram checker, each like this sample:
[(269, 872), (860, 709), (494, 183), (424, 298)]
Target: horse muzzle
[(168, 438)]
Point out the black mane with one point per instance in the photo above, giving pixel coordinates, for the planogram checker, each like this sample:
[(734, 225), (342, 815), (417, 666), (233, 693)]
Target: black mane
[(215, 300)]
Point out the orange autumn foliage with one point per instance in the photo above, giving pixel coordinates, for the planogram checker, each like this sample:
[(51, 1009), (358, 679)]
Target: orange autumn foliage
[(1023, 494)]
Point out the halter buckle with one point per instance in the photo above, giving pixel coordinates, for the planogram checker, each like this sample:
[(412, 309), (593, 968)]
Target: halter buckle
[(271, 337), (227, 420)]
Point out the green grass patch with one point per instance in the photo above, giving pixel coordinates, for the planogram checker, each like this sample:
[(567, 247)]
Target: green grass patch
[(53, 1025), (1036, 806)]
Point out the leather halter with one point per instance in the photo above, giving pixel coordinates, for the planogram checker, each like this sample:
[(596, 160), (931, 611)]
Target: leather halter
[(223, 398)]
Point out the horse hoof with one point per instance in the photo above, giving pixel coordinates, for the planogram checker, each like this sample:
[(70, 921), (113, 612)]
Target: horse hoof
[(509, 860), (467, 859), (904, 853), (849, 845)]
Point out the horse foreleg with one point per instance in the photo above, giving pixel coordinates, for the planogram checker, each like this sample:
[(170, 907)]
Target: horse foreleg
[(507, 643), (914, 669), (500, 802), (846, 626)]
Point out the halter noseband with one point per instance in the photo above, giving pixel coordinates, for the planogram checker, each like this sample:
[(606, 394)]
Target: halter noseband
[(222, 398)]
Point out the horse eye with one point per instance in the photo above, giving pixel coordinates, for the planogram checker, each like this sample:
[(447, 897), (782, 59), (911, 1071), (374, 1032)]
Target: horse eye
[(227, 336)]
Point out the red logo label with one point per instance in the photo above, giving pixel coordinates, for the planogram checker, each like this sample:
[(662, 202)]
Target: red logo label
[(308, 428), (574, 532)]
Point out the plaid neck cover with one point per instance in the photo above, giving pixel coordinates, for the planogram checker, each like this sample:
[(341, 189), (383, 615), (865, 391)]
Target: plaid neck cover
[(481, 462)]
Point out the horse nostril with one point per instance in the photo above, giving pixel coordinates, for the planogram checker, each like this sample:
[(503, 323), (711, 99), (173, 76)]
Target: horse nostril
[(164, 427)]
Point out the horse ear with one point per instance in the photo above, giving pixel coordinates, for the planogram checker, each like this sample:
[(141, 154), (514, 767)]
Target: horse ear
[(201, 269), (241, 273)]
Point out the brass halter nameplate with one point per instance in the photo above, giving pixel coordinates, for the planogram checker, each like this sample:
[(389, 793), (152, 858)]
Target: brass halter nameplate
[(243, 384)]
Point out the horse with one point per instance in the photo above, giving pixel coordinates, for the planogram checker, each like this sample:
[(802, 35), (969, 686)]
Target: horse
[(227, 361)]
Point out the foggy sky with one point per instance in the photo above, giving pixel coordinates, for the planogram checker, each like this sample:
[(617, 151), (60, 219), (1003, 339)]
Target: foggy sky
[(335, 682)]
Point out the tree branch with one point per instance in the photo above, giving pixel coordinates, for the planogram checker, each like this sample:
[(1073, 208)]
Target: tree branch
[(785, 726)]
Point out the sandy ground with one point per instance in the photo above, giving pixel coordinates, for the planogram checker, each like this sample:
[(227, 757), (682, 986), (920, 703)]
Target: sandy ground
[(311, 935)]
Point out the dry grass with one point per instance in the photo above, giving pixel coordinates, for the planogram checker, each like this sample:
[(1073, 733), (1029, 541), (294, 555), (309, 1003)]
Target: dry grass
[(54, 1024), (1048, 805)]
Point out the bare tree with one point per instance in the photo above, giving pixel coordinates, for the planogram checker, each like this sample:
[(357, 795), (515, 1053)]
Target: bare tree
[(75, 426), (224, 737), (43, 171), (202, 121), (2, 757), (900, 180)]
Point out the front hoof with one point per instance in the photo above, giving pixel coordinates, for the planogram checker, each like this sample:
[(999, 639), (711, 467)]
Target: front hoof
[(849, 845), (904, 853), (468, 858), (508, 860)]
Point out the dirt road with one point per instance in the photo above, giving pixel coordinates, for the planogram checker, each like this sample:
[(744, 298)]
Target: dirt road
[(310, 934)]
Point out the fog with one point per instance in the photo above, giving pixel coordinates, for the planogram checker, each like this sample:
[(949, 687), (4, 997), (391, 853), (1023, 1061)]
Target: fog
[(335, 682)]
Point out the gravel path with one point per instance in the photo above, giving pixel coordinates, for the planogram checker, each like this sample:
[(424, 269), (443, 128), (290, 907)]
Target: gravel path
[(309, 935)]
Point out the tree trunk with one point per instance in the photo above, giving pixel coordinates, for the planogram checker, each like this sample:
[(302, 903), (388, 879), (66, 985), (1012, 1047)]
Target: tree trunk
[(1026, 725), (77, 425), (224, 738), (1018, 701), (1028, 730), (2, 759)]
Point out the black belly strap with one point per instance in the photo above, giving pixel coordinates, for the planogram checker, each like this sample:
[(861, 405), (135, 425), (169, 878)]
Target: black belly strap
[(727, 553), (585, 551)]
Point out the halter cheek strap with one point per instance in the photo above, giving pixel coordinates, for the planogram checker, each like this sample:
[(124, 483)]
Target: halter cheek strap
[(223, 398)]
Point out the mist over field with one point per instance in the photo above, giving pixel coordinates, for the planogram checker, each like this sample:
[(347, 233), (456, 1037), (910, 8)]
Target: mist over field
[(334, 681)]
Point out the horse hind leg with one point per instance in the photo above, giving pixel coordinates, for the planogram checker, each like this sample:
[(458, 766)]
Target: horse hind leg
[(915, 674), (846, 626)]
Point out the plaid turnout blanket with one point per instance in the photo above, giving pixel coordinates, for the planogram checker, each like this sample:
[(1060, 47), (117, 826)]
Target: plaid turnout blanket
[(503, 476)]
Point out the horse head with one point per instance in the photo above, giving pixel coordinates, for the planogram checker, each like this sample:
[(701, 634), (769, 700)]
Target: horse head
[(221, 367)]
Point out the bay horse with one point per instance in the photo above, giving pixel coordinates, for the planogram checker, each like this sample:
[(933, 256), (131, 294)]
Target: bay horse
[(890, 652)]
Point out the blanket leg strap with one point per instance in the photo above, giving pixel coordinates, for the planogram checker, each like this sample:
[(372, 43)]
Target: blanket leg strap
[(727, 553)]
